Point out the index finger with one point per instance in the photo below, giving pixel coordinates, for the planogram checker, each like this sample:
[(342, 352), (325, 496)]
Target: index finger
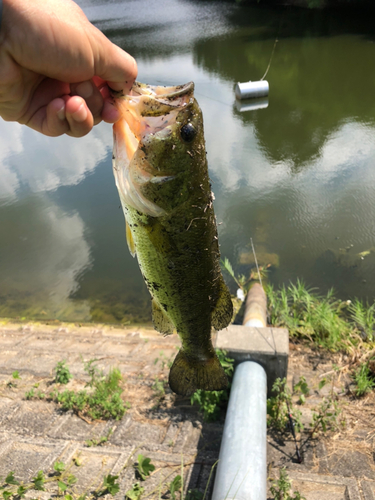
[(114, 65)]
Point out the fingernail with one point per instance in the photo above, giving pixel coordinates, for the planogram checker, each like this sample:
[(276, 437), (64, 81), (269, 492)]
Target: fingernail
[(81, 114), (61, 113), (84, 89)]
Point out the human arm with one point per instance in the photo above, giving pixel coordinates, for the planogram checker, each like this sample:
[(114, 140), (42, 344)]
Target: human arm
[(55, 68)]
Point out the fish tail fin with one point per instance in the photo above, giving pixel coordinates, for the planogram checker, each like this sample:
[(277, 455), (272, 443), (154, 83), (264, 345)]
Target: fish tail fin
[(189, 374)]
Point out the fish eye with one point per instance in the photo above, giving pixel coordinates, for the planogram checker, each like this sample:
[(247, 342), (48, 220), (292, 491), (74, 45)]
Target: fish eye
[(188, 132)]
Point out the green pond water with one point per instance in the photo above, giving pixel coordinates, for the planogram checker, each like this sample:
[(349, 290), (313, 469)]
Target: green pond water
[(297, 176)]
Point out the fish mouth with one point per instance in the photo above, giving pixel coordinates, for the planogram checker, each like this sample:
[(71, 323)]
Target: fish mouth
[(154, 100), (148, 113), (149, 109)]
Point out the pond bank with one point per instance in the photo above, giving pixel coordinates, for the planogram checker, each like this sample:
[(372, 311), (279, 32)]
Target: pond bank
[(35, 434)]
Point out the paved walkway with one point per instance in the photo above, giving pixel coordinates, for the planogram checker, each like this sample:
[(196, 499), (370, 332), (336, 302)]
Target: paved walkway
[(34, 434)]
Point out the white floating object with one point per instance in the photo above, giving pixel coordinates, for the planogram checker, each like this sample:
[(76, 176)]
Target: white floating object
[(251, 104), (249, 90)]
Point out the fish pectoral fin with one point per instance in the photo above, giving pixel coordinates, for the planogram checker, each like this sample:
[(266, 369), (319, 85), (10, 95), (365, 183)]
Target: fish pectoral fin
[(129, 240), (189, 374), (221, 316), (160, 320)]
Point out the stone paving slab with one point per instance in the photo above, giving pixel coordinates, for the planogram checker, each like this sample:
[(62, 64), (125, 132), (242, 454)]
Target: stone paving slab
[(319, 487), (34, 434)]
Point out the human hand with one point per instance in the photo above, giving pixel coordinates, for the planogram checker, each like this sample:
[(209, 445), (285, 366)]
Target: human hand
[(56, 67)]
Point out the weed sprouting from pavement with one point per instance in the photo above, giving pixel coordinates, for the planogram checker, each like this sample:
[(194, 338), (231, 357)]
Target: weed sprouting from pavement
[(63, 375), (281, 488), (62, 481), (101, 440), (101, 401), (143, 467)]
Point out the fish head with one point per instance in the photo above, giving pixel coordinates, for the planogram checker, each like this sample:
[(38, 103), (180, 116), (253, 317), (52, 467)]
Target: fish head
[(159, 151)]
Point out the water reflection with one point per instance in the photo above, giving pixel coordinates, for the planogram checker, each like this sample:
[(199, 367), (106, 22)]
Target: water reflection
[(43, 253), (31, 162)]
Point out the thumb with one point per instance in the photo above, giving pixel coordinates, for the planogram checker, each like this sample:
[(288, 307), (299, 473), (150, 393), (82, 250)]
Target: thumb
[(112, 64)]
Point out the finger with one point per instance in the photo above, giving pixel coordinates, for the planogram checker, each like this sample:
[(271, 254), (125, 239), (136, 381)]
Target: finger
[(91, 94), (50, 119), (78, 116), (110, 114), (112, 64), (55, 123)]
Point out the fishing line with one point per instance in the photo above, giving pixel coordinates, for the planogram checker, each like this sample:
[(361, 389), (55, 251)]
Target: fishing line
[(274, 46), (256, 262), (269, 64)]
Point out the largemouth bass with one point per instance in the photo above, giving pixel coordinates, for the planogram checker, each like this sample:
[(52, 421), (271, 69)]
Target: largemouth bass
[(160, 168)]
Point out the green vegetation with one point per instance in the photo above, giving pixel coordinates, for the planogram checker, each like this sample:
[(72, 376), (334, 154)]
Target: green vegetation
[(329, 323), (277, 407), (135, 492), (144, 467), (101, 440), (325, 417), (210, 402), (280, 489), (364, 380), (325, 321), (363, 316), (63, 374), (101, 401), (241, 281), (63, 480)]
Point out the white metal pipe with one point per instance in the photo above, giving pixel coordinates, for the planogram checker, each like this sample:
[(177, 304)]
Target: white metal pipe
[(251, 89), (242, 469)]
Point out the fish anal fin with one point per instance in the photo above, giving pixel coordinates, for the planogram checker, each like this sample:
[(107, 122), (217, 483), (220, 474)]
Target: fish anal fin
[(160, 320), (129, 240), (189, 374), (222, 314)]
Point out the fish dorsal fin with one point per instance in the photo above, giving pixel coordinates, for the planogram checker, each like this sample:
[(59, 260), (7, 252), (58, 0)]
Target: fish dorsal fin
[(221, 316), (129, 240), (161, 322)]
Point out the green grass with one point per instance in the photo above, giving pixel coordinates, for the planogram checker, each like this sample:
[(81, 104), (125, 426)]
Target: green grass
[(323, 320), (364, 380)]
